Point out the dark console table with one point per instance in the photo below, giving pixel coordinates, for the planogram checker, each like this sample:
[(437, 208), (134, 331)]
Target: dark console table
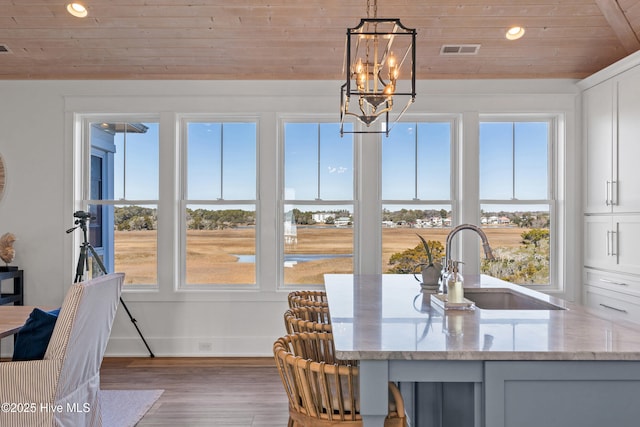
[(17, 296)]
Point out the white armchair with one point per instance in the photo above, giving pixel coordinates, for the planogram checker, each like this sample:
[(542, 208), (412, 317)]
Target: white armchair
[(63, 389)]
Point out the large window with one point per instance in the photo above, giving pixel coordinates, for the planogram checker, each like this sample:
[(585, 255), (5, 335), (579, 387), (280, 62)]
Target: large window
[(176, 198), (123, 197), (318, 202), (216, 175), (416, 193), (219, 203), (516, 199)]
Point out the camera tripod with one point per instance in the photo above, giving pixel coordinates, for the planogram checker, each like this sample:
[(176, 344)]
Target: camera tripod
[(83, 263)]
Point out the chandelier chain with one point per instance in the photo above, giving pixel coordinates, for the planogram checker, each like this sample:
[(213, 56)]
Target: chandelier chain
[(375, 9)]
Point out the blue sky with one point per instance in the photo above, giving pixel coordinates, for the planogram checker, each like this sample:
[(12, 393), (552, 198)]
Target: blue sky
[(417, 150), (423, 149), (503, 145), (304, 165), (232, 179), (142, 157)]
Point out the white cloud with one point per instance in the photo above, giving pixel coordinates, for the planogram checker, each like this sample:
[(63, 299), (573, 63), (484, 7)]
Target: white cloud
[(339, 169)]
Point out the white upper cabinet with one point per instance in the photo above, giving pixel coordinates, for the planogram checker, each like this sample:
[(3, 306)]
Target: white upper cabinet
[(612, 115), (599, 117), (628, 146)]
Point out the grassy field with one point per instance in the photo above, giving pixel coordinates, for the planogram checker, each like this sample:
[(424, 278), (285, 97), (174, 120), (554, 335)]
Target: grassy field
[(211, 254)]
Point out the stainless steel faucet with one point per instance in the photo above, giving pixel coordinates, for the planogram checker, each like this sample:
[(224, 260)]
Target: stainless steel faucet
[(485, 245)]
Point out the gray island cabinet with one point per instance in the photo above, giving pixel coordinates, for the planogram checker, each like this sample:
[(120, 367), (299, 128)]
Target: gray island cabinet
[(511, 366)]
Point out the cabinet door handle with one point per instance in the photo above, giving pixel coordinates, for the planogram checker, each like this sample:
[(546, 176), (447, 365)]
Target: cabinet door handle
[(612, 243), (612, 282), (607, 200), (620, 310), (613, 196)]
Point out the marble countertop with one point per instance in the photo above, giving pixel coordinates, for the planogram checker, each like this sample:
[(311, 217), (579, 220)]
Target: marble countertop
[(385, 317)]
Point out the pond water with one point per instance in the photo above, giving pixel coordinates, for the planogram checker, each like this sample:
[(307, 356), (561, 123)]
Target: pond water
[(291, 258)]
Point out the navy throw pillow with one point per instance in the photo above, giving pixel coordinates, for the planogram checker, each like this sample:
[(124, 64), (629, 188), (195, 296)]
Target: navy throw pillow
[(33, 338)]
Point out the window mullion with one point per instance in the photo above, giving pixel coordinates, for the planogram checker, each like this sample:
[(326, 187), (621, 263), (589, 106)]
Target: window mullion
[(415, 166), (222, 161), (513, 161), (124, 162), (318, 168)]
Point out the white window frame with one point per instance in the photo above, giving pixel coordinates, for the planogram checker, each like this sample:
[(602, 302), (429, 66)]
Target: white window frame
[(184, 119), (83, 185), (454, 123), (554, 190), (282, 201)]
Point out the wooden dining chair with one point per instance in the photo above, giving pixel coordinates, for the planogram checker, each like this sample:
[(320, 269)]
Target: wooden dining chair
[(317, 346), (312, 314), (323, 393), (307, 299), (294, 323)]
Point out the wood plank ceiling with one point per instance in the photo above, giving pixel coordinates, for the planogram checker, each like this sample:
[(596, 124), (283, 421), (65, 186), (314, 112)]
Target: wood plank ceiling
[(304, 39)]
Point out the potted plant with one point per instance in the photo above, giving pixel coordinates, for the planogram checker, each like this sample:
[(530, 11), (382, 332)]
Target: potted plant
[(430, 270)]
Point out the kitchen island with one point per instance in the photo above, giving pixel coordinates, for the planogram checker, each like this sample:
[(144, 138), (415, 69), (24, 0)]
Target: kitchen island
[(565, 366)]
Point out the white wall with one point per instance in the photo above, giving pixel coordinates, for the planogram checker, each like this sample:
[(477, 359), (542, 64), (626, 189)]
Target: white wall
[(36, 118)]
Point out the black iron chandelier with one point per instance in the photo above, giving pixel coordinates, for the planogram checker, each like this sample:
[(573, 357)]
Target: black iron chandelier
[(380, 68)]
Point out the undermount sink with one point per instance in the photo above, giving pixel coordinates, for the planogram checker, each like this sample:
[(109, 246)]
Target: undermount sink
[(506, 299)]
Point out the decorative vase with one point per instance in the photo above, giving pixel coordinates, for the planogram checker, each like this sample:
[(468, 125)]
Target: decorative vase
[(430, 275)]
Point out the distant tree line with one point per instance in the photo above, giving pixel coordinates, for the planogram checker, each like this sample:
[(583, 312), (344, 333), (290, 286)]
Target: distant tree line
[(140, 218), (410, 216), (135, 218), (521, 219), (306, 217), (132, 218), (205, 219)]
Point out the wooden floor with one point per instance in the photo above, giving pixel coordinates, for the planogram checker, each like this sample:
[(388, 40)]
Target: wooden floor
[(202, 392)]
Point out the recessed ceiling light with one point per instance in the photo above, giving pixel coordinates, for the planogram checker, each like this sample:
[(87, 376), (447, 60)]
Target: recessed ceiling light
[(514, 33), (77, 9)]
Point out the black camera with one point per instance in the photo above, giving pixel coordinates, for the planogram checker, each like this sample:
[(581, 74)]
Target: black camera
[(83, 215)]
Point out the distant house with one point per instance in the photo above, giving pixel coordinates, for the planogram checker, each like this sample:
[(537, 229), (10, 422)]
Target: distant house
[(343, 221), (495, 220), (322, 216), (436, 221), (422, 223)]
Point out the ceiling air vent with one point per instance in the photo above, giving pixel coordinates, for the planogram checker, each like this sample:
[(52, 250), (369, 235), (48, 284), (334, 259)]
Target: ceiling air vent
[(4, 49), (459, 49)]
